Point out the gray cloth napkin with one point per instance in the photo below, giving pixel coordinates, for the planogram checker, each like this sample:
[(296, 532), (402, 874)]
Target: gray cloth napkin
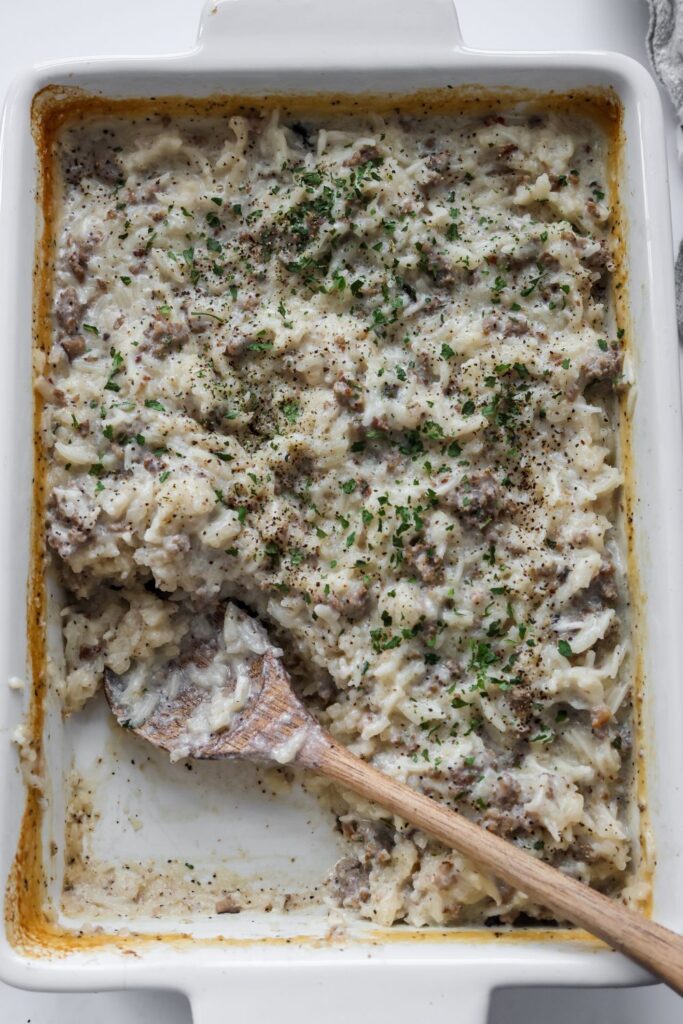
[(665, 47)]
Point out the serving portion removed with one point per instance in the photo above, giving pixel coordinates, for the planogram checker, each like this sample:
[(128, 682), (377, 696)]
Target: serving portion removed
[(361, 373)]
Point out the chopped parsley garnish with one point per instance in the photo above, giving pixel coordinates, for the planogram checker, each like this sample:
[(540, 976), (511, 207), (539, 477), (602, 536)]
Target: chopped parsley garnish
[(531, 287), (432, 430), (545, 736), (290, 411), (117, 367)]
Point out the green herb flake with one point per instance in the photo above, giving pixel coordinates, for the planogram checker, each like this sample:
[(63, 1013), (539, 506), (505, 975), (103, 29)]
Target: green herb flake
[(531, 287), (290, 411), (432, 430)]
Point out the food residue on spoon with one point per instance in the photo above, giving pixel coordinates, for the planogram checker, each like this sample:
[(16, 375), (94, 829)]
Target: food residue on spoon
[(214, 657)]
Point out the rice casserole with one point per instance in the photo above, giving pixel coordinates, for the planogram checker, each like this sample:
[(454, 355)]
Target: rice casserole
[(361, 373)]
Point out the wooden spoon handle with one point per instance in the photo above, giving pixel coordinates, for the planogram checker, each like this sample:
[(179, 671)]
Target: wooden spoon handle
[(651, 945)]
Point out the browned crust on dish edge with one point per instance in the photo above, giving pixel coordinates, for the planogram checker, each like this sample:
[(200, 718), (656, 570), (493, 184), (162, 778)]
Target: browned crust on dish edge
[(29, 926)]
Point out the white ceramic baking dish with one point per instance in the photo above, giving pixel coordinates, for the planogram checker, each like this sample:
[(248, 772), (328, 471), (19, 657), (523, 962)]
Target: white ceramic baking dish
[(260, 965)]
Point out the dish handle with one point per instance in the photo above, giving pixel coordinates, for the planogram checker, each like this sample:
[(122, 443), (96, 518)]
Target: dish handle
[(231, 31), (343, 993)]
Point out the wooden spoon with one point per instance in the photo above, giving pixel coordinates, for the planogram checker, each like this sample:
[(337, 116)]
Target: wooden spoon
[(274, 726)]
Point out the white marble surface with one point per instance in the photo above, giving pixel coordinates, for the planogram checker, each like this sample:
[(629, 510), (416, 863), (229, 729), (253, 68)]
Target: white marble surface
[(32, 31)]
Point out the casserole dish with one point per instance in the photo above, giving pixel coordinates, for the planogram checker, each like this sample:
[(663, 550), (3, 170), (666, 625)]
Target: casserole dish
[(420, 49)]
